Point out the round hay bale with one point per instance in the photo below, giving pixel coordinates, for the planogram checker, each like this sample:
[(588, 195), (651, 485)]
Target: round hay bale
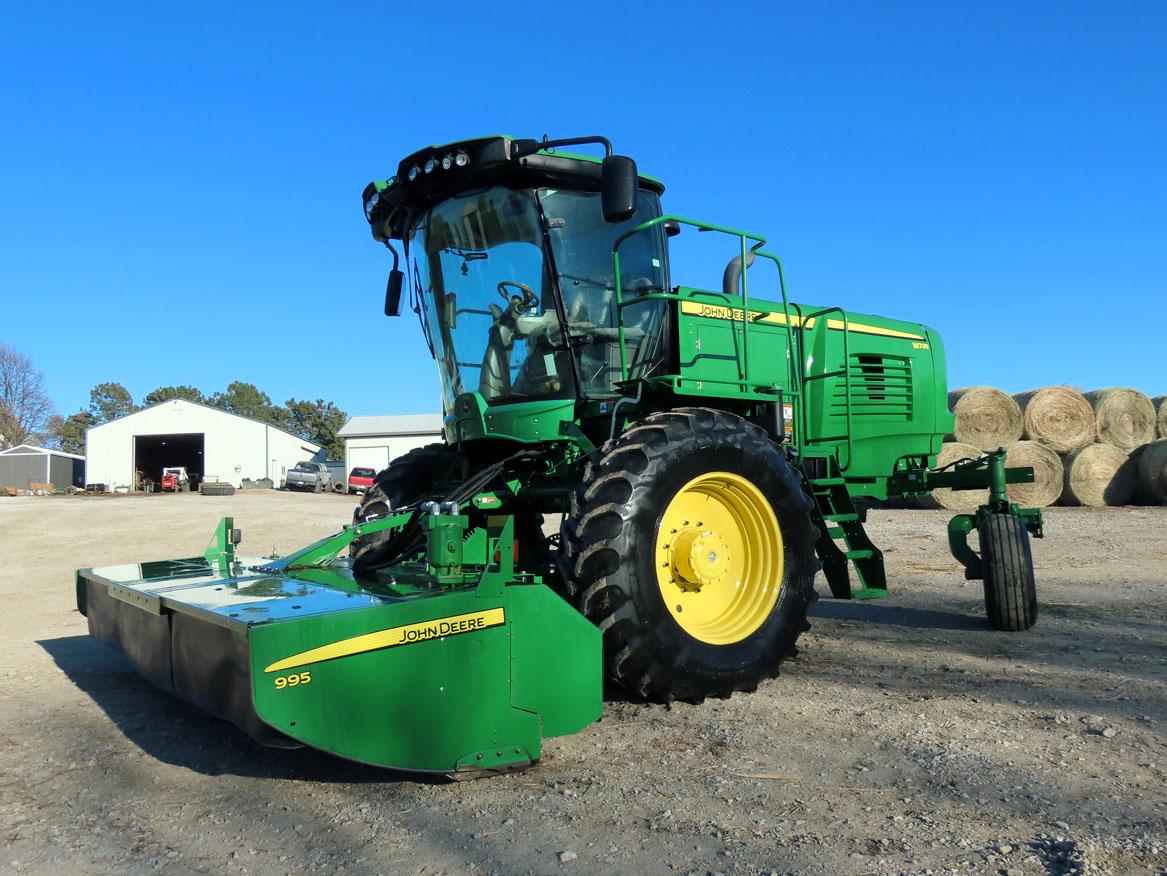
[(1125, 417), (1098, 475), (1160, 403), (1058, 417), (1048, 477), (986, 418), (961, 501), (1151, 467)]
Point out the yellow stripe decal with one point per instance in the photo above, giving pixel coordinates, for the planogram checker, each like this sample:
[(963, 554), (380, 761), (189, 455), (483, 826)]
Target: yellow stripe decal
[(394, 636), (872, 330), (716, 311)]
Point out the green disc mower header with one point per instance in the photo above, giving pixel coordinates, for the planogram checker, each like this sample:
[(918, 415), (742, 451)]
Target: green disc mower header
[(703, 450)]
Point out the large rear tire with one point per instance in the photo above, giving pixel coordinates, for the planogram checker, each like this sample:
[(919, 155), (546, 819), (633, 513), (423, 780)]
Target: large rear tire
[(1007, 563), (411, 477), (690, 544)]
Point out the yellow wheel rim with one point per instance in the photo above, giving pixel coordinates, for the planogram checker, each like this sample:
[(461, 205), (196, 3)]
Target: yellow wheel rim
[(719, 558)]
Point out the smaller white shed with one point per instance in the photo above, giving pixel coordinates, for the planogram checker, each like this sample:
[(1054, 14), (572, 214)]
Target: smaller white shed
[(374, 441), (25, 464)]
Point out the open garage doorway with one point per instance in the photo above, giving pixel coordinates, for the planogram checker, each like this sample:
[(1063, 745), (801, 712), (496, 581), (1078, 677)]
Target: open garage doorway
[(152, 453)]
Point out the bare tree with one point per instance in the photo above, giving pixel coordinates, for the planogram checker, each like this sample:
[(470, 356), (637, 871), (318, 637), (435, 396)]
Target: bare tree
[(8, 428), (24, 406)]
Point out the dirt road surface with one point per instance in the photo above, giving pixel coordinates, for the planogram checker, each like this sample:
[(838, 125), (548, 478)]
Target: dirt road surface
[(906, 737)]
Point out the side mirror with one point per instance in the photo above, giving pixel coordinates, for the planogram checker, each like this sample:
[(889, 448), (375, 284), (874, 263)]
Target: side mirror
[(393, 293), (618, 187)]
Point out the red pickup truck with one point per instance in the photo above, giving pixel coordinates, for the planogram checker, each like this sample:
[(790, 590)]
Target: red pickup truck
[(360, 479)]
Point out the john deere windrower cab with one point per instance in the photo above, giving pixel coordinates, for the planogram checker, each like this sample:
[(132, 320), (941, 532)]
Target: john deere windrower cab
[(705, 449)]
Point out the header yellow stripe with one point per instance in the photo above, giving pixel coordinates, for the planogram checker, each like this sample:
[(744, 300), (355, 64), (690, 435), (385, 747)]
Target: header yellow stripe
[(717, 311), (394, 636)]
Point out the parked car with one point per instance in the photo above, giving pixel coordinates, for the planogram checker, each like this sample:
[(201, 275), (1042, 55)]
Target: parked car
[(360, 479), (175, 480), (312, 476)]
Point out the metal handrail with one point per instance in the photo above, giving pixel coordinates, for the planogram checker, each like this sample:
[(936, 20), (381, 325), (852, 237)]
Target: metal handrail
[(743, 236), (794, 365), (798, 376), (845, 371)]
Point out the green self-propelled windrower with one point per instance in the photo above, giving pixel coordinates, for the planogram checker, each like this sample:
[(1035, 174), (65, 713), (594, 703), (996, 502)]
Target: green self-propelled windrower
[(703, 448)]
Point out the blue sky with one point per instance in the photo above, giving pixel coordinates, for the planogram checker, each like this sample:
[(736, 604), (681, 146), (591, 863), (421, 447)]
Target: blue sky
[(181, 188)]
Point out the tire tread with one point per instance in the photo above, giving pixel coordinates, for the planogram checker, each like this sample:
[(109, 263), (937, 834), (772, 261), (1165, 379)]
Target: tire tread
[(1010, 590), (613, 484)]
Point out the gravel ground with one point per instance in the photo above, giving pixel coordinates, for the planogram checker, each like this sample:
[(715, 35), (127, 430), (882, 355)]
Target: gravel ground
[(906, 738)]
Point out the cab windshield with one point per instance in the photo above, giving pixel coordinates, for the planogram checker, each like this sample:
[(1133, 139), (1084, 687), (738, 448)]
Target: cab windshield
[(485, 284)]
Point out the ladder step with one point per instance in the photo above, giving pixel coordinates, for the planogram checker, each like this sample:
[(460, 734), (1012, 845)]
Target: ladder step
[(841, 518), (859, 555), (828, 482), (835, 532)]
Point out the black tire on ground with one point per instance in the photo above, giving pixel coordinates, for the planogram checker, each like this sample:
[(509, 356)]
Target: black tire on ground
[(1007, 563), (411, 477), (608, 554), (217, 489)]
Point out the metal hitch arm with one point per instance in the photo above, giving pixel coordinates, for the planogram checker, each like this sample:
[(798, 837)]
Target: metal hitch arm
[(323, 552), (985, 471)]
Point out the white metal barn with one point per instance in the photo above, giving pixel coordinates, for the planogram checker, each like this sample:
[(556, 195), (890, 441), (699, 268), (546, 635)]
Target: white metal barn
[(372, 442), (208, 442)]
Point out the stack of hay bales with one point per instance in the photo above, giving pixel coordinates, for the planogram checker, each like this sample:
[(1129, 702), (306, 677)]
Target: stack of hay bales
[(1150, 460), (1095, 449)]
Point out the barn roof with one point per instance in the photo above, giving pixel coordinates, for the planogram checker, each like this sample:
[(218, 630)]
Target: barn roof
[(33, 450), (186, 402), (391, 424)]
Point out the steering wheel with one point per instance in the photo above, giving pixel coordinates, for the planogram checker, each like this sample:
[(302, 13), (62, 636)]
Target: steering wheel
[(529, 299)]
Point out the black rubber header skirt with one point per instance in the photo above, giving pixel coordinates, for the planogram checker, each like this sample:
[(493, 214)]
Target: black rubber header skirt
[(202, 663)]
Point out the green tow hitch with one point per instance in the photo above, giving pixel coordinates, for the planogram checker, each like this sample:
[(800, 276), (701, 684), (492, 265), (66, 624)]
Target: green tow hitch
[(1005, 562), (999, 478)]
